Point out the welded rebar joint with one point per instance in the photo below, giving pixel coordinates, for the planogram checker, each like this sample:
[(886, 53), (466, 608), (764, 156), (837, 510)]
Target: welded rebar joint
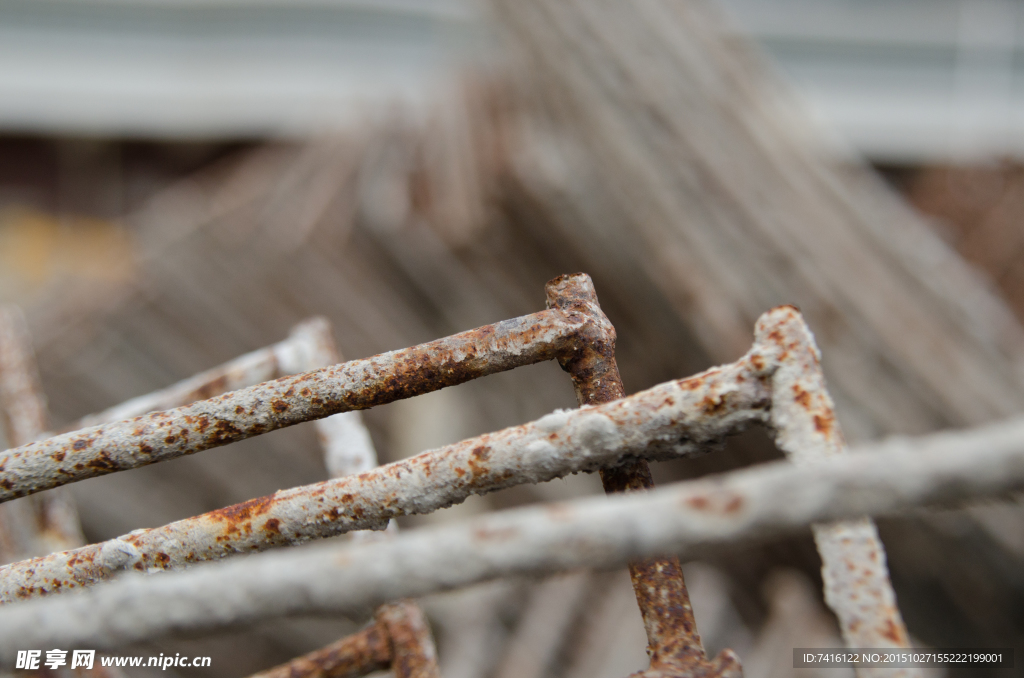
[(589, 355), (413, 654)]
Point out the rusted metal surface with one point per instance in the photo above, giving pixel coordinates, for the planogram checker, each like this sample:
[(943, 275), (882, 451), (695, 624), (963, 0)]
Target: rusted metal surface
[(412, 648), (351, 657), (355, 385), (779, 378), (857, 585), (673, 642), (678, 418), (399, 639), (691, 519)]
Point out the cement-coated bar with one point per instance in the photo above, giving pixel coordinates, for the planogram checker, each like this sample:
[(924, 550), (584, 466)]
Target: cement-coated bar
[(690, 519), (857, 585), (678, 418)]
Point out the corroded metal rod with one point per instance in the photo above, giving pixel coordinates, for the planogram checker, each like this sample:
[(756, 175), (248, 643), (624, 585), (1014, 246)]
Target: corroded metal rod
[(354, 385), (691, 519), (673, 642), (351, 657), (677, 418), (856, 577)]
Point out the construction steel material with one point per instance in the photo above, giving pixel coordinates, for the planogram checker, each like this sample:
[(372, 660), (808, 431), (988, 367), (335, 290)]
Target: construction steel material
[(412, 647), (673, 642), (779, 382), (398, 639), (679, 418), (692, 519), (351, 657), (856, 578), (355, 385)]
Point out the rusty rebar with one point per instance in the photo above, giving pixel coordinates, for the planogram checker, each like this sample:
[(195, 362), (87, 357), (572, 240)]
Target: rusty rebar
[(857, 586), (351, 657), (673, 641), (670, 420), (782, 367), (412, 647), (692, 519), (234, 416)]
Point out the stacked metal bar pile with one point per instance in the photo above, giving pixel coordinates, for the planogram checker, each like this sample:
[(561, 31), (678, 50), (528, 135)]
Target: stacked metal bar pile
[(778, 383)]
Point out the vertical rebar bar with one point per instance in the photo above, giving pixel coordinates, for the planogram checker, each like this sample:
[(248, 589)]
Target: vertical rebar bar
[(674, 643)]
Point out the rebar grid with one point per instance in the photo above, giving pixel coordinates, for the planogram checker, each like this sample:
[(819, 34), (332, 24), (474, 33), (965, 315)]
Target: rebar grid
[(692, 519), (778, 382)]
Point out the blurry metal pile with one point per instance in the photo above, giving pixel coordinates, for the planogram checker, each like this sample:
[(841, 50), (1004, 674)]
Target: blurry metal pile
[(691, 193)]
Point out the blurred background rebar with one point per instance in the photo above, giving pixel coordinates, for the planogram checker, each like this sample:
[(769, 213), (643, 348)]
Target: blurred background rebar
[(182, 181)]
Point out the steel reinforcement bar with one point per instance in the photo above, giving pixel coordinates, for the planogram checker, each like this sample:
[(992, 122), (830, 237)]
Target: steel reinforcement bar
[(693, 519), (782, 372), (673, 419), (354, 385)]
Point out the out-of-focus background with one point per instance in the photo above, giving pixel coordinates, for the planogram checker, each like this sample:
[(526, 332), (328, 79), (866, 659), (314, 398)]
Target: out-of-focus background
[(182, 181)]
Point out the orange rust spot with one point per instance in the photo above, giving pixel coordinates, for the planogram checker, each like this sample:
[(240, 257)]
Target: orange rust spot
[(163, 558), (823, 423), (699, 503), (305, 393), (239, 410), (79, 444), (237, 513), (460, 471), (279, 406), (712, 405), (57, 456), (757, 361), (802, 396), (734, 504), (893, 632), (273, 525), (347, 498)]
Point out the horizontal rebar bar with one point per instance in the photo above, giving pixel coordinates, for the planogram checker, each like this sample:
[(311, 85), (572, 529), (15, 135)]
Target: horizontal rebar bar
[(354, 385), (689, 519), (673, 419)]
